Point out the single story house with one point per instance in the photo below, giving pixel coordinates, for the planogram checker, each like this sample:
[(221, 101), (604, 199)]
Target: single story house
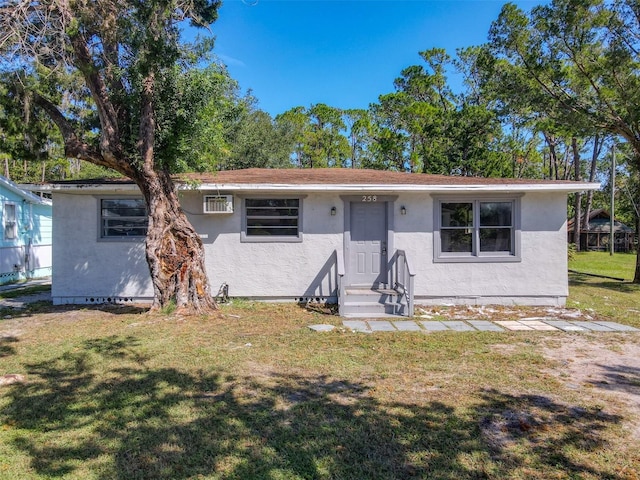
[(25, 242), (597, 234), (375, 242)]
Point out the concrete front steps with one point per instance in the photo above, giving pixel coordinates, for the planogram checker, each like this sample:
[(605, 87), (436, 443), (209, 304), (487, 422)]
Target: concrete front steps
[(377, 302)]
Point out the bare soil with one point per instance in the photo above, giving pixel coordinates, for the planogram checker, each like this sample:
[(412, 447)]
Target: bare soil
[(603, 368)]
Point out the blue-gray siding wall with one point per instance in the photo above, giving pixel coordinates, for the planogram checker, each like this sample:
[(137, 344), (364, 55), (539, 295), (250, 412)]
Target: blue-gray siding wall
[(28, 255)]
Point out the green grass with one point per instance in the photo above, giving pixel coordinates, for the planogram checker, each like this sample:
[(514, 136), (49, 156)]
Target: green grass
[(610, 298), (252, 393), (26, 290), (620, 265)]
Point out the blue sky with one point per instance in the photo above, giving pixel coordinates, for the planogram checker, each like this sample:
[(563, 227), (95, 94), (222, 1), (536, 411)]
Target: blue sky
[(344, 53)]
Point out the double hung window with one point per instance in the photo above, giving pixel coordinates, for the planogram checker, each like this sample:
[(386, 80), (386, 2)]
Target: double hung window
[(122, 218), (10, 221), (477, 230)]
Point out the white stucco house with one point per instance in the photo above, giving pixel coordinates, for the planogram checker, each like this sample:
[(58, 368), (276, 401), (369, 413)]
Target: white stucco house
[(25, 234), (375, 242)]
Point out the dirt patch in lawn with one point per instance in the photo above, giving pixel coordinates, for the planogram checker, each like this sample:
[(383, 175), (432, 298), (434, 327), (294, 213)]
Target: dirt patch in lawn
[(604, 368)]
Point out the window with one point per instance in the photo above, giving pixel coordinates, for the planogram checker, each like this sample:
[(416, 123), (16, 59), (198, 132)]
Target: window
[(272, 219), (476, 230), (10, 223), (123, 218)]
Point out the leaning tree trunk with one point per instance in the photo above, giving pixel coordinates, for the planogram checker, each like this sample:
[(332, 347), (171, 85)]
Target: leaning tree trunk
[(175, 253)]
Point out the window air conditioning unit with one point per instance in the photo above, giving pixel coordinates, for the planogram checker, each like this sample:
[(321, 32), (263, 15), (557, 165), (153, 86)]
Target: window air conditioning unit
[(218, 204)]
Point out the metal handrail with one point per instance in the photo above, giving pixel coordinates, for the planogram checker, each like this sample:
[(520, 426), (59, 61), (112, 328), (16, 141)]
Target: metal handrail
[(404, 279), (340, 271)]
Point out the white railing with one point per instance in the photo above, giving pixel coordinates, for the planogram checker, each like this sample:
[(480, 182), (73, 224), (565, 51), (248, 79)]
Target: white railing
[(403, 279), (341, 286)]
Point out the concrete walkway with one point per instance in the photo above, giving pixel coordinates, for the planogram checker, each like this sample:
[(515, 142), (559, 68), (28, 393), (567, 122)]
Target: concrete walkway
[(370, 326), (21, 301)]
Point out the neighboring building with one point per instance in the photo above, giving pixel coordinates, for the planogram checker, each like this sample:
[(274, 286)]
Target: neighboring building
[(375, 241), (597, 234), (25, 241)]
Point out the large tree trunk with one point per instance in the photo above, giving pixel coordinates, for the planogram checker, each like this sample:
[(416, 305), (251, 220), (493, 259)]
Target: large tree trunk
[(175, 253)]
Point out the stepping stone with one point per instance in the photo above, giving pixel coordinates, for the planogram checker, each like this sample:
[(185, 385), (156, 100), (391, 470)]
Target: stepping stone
[(618, 327), (407, 326), (566, 326), (459, 326), (381, 326), (592, 326), (357, 325), (486, 326), (537, 325), (513, 325), (433, 326), (322, 327)]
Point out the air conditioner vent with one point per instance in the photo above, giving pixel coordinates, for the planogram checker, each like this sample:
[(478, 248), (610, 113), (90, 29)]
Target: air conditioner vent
[(218, 204)]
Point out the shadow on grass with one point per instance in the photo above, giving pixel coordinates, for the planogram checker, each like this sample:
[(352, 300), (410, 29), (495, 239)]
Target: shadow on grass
[(615, 285), (45, 306), (5, 346), (102, 408), (621, 378)]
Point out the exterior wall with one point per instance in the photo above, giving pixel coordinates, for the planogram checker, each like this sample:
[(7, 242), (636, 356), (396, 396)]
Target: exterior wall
[(540, 278), (29, 254), (89, 270), (300, 270)]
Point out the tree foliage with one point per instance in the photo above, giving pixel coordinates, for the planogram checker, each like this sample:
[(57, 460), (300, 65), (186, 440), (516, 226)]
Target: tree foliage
[(575, 64), (109, 74)]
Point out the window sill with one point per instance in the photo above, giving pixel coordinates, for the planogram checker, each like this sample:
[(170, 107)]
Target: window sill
[(478, 259), (122, 239), (269, 239)]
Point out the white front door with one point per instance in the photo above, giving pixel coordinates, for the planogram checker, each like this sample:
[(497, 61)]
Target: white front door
[(368, 245)]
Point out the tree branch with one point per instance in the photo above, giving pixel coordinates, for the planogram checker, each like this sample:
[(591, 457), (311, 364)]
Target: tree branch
[(74, 147)]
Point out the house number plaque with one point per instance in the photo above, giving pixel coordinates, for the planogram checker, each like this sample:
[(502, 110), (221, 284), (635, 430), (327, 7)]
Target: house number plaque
[(369, 198)]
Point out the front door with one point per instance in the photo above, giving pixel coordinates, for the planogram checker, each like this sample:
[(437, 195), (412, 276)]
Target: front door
[(368, 245)]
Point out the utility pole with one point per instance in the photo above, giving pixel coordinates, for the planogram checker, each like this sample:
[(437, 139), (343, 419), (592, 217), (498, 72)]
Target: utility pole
[(612, 243)]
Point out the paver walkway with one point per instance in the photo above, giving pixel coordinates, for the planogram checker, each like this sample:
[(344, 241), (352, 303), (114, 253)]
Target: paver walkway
[(370, 326)]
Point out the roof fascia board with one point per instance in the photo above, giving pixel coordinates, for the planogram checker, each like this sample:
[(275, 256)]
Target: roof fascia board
[(526, 187), (266, 187), (84, 187), (23, 192)]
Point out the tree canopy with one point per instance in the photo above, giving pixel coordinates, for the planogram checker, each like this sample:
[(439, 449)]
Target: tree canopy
[(110, 75)]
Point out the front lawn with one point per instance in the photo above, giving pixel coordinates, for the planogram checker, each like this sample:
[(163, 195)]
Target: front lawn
[(611, 298), (619, 265), (253, 393)]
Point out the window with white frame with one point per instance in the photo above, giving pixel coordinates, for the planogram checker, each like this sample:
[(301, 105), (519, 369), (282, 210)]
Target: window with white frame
[(477, 229), (272, 219), (10, 222), (123, 218)]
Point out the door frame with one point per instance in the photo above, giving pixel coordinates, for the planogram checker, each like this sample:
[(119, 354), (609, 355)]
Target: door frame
[(367, 197)]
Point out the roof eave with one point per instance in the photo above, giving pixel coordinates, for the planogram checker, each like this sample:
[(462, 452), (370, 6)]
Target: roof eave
[(88, 187), (386, 188), (23, 192), (355, 188)]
